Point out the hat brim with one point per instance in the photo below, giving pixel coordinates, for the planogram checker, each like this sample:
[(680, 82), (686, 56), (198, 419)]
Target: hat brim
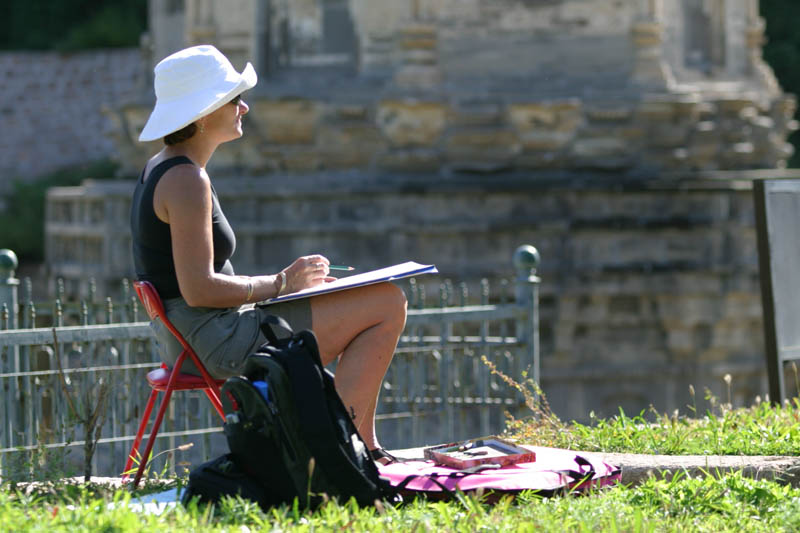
[(169, 117)]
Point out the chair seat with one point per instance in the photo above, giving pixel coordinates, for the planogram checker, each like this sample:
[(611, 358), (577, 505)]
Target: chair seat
[(159, 378)]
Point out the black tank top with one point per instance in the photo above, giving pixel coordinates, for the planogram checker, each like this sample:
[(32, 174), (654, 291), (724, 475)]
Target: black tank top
[(152, 241)]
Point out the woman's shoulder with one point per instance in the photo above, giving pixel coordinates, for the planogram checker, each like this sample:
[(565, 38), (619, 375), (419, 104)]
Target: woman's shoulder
[(184, 178), (180, 183), (183, 183), (176, 167)]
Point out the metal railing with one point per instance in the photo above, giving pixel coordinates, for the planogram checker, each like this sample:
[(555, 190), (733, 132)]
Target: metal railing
[(38, 367), (436, 389)]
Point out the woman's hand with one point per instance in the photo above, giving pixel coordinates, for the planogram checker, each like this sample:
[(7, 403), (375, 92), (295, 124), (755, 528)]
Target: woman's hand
[(307, 271)]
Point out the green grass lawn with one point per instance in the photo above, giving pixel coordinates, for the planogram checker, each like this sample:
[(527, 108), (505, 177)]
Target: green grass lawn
[(729, 502), (761, 429)]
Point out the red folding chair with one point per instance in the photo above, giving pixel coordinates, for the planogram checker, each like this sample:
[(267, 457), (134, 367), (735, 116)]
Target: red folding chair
[(167, 380)]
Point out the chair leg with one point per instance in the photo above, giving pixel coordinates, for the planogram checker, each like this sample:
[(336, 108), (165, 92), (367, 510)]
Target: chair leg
[(215, 401), (212, 391), (138, 440), (151, 440)]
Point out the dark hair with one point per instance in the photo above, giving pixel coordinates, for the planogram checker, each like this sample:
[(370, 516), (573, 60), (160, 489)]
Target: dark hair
[(187, 132)]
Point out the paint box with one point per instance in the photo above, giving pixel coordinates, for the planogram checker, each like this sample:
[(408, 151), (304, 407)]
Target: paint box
[(474, 452)]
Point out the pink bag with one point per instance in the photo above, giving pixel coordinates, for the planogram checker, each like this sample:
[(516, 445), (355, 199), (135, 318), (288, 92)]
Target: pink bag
[(555, 470)]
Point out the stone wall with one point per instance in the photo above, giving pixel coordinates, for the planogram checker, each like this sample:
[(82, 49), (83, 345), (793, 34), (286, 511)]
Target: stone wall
[(299, 132), (611, 135), (648, 286), (52, 107)]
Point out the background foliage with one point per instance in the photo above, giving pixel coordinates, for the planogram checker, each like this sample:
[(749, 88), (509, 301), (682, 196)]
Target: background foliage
[(66, 26), (782, 51), (71, 25)]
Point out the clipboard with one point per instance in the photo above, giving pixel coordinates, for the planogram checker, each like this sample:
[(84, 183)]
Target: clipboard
[(390, 273)]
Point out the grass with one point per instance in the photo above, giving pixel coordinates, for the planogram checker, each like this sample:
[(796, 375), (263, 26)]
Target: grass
[(761, 429), (731, 503), (724, 502)]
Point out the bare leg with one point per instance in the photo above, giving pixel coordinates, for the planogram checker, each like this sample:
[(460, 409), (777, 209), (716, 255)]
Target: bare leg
[(363, 326)]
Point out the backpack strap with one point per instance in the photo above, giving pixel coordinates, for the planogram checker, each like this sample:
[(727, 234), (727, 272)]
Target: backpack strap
[(273, 320), (403, 484), (477, 469), (579, 476)]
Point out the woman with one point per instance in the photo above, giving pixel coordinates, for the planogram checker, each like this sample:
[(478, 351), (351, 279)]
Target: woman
[(182, 243)]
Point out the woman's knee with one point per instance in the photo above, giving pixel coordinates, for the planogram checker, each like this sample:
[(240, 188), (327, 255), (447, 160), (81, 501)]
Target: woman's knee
[(393, 300), (338, 315)]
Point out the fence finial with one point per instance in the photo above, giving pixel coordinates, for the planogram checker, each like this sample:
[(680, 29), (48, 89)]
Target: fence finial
[(8, 264), (526, 261), (8, 286)]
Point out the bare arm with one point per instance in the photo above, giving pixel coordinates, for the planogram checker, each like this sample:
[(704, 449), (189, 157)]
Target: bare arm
[(183, 200)]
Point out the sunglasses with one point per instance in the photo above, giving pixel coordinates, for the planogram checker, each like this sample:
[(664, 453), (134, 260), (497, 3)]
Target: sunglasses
[(236, 100)]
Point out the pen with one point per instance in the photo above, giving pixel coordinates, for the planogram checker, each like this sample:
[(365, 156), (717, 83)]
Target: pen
[(340, 267)]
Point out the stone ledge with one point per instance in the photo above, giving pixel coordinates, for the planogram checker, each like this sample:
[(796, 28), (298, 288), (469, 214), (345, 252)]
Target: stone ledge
[(636, 468)]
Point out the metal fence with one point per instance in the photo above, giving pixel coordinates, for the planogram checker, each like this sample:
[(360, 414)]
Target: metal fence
[(437, 388)]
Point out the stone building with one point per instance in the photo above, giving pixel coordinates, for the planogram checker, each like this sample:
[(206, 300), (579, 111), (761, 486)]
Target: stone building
[(630, 86), (620, 137)]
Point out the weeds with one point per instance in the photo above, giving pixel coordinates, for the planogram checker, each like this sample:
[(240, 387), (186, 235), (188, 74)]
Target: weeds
[(91, 412), (164, 472), (39, 464), (761, 429), (543, 424)]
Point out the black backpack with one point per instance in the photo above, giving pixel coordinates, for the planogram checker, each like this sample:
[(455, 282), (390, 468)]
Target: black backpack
[(288, 430), (219, 477)]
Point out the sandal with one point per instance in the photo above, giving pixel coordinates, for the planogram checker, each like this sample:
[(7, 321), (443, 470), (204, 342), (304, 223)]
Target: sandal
[(379, 453)]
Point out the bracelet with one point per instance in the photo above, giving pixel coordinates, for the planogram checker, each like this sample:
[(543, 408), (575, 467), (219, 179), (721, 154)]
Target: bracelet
[(249, 290), (282, 274)]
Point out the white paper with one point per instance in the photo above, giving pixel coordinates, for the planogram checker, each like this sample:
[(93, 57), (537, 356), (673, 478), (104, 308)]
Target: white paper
[(403, 270)]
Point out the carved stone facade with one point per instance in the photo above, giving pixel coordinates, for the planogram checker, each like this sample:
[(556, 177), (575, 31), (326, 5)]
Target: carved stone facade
[(488, 85), (618, 136)]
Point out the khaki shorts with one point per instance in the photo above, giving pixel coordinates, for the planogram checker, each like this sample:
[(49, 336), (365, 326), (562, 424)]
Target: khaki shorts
[(223, 338)]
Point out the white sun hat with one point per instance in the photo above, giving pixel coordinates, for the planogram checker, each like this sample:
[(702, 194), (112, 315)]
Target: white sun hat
[(190, 84)]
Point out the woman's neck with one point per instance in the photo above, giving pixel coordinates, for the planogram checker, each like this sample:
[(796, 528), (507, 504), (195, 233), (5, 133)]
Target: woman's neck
[(196, 149)]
